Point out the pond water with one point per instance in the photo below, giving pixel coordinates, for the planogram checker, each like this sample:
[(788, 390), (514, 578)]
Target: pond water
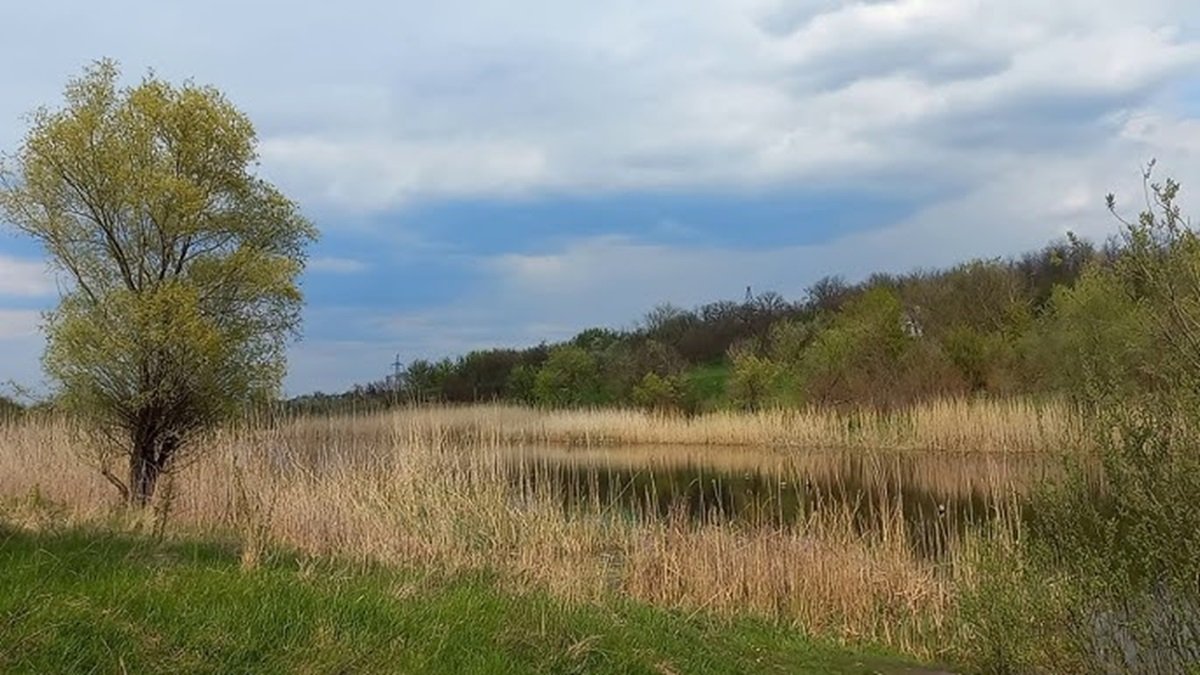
[(936, 494)]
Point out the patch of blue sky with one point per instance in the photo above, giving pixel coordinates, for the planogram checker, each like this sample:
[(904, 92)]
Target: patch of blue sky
[(686, 217)]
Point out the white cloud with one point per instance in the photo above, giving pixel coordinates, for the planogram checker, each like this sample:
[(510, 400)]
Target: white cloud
[(19, 323), (1018, 114), (691, 94), (21, 346), (411, 101), (26, 278), (376, 174), (1163, 131)]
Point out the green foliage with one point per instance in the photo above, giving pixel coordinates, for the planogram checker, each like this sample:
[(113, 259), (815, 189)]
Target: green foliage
[(979, 357), (1012, 615), (1130, 543), (92, 602), (985, 296), (788, 341), (856, 356), (1160, 267), (521, 383), (624, 363), (481, 375), (181, 265), (1109, 553), (1096, 342), (1111, 549), (1056, 265), (704, 388), (570, 377), (656, 392), (752, 379), (596, 339), (975, 315), (423, 380)]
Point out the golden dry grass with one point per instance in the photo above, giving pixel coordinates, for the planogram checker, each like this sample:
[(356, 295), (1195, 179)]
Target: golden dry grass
[(967, 425), (429, 488)]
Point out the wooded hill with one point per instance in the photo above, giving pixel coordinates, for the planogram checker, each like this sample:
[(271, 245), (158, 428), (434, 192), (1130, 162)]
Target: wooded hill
[(1000, 326)]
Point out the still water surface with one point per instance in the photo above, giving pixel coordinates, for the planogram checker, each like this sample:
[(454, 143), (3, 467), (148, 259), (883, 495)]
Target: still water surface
[(937, 494)]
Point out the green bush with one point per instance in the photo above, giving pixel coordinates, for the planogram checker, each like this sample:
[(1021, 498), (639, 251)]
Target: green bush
[(569, 377), (1097, 342), (752, 378), (1112, 549), (655, 392), (1011, 615)]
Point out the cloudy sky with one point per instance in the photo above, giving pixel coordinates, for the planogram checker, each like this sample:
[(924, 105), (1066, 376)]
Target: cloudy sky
[(493, 173)]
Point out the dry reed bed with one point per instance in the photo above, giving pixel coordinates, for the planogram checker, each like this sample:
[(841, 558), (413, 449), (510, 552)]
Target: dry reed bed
[(413, 489), (967, 425)]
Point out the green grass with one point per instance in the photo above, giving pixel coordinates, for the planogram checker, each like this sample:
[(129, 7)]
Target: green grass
[(83, 601), (705, 385)]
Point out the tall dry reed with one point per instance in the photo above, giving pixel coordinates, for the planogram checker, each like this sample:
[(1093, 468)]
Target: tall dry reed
[(965, 425)]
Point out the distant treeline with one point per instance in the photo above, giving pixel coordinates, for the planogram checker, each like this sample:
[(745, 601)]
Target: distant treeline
[(987, 326)]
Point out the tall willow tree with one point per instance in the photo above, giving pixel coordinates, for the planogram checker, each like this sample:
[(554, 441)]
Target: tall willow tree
[(179, 267)]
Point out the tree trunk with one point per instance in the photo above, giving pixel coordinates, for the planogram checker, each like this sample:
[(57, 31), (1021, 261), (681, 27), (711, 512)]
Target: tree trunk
[(144, 469), (143, 473)]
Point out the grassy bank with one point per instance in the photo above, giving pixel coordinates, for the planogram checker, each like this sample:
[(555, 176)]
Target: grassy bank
[(83, 601)]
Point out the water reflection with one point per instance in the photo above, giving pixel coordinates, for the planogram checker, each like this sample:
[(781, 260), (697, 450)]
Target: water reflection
[(936, 495)]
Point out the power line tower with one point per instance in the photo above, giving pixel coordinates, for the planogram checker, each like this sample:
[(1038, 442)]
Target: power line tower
[(397, 369)]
